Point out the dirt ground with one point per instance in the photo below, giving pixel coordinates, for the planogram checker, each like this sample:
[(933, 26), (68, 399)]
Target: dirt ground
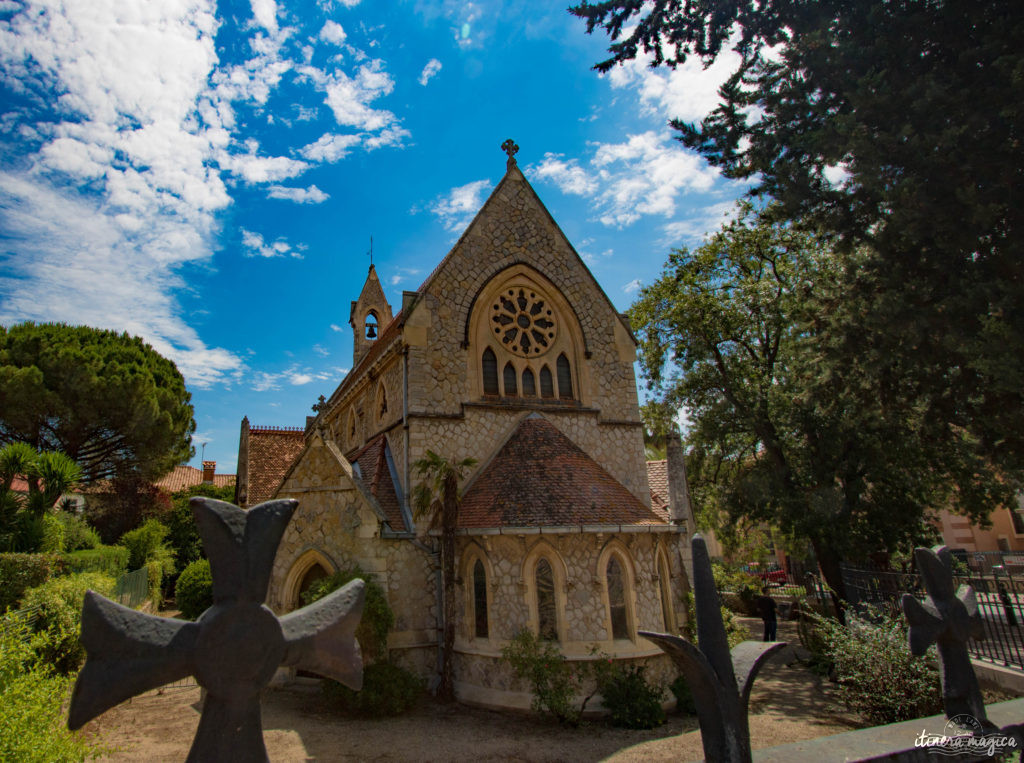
[(788, 704)]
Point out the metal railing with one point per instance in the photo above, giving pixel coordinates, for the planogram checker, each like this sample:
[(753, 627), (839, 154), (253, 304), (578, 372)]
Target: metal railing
[(999, 593), (132, 588)]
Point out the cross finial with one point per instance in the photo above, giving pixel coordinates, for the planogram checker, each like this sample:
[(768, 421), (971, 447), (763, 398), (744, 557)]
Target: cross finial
[(511, 148), (320, 404)]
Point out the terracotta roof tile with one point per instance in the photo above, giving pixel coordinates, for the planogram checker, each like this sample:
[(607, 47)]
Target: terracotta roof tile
[(183, 477), (657, 478), (375, 474), (540, 477), (271, 452)]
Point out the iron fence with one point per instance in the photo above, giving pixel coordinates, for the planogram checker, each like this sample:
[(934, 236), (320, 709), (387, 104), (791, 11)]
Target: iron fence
[(132, 588), (998, 587)]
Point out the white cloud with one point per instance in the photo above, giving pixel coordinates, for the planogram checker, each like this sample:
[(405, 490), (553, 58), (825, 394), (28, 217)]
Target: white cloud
[(433, 67), (402, 274), (256, 246), (457, 207), (265, 13), (567, 175), (299, 379), (321, 351), (837, 174), (330, 147), (263, 169), (333, 32), (688, 92), (350, 3), (633, 286), (311, 195), (349, 97), (696, 227), (336, 327)]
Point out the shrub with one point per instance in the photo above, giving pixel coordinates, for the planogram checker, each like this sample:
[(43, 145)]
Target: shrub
[(110, 560), (878, 676), (684, 696), (19, 572), (78, 533), (183, 537), (378, 618), (193, 593), (60, 612), (53, 534), (387, 690), (632, 702), (146, 544), (32, 720), (553, 680), (155, 579)]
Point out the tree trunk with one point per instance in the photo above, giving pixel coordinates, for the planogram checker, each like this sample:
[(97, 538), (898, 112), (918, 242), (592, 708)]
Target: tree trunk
[(449, 520), (828, 561)]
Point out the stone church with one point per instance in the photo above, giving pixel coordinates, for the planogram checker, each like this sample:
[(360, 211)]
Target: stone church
[(509, 353)]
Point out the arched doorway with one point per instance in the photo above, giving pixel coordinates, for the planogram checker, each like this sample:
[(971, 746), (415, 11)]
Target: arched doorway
[(310, 567)]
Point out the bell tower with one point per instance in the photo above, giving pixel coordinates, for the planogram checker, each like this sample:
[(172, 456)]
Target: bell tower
[(370, 314)]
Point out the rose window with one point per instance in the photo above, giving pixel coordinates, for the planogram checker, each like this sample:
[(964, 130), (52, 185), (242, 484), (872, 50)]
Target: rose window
[(523, 321)]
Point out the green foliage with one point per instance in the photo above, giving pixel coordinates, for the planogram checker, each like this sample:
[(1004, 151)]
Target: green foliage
[(78, 533), (684, 696), (32, 699), (632, 702), (111, 560), (59, 600), (183, 537), (107, 400), (193, 593), (732, 331), (388, 690), (53, 534), (19, 572), (937, 301), (155, 579), (878, 676), (128, 501), (734, 631), (146, 544), (553, 680), (378, 618)]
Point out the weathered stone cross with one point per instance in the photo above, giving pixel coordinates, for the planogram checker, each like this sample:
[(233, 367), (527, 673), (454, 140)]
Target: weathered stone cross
[(719, 679), (948, 620), (235, 646), (510, 148)]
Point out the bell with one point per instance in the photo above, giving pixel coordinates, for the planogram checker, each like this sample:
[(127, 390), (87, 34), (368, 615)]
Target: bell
[(371, 331)]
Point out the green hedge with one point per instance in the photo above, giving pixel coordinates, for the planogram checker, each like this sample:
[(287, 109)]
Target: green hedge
[(19, 572), (60, 615), (110, 560), (193, 593), (387, 690)]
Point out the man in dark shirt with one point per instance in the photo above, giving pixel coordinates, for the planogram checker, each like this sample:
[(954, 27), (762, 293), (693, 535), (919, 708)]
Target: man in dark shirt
[(766, 607)]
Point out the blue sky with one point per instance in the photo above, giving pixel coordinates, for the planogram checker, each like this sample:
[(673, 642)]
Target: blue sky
[(208, 175)]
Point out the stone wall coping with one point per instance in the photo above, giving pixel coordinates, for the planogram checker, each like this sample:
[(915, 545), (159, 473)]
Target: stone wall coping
[(569, 530), (573, 651)]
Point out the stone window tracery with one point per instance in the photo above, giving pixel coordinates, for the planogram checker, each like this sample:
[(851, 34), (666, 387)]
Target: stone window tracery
[(547, 610), (523, 321)]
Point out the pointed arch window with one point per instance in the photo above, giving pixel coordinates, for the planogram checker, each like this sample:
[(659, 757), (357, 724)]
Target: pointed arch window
[(479, 600), (564, 378), (529, 385), (490, 372), (371, 327), (547, 385), (382, 402), (510, 380), (615, 579), (547, 610)]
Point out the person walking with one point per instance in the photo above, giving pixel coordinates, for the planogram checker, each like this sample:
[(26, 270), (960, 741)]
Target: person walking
[(766, 607)]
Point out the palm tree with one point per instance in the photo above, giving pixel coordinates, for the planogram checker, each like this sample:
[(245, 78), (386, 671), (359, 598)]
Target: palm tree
[(49, 475), (438, 496)]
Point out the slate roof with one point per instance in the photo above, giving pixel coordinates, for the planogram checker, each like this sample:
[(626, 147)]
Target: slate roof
[(272, 450), (541, 477), (375, 474), (182, 477), (657, 478)]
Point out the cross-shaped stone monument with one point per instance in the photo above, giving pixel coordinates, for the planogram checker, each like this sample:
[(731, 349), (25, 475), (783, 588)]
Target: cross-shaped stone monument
[(235, 646), (719, 679), (948, 620), (511, 148)]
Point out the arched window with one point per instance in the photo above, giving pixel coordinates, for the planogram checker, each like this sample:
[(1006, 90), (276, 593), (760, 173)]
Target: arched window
[(547, 386), (615, 579), (510, 380), (529, 385), (479, 600), (382, 402), (564, 378), (490, 372), (371, 327), (547, 610)]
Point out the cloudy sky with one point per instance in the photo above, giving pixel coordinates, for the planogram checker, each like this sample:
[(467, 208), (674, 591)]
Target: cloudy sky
[(208, 175)]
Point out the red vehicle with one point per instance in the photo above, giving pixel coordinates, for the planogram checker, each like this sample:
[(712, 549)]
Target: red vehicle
[(770, 574)]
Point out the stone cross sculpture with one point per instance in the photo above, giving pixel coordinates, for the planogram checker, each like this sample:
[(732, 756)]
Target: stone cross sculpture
[(720, 681), (511, 148), (948, 620), (235, 646)]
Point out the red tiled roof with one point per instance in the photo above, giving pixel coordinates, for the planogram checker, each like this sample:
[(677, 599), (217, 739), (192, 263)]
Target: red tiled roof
[(541, 477), (182, 477), (657, 478), (272, 450), (374, 472)]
